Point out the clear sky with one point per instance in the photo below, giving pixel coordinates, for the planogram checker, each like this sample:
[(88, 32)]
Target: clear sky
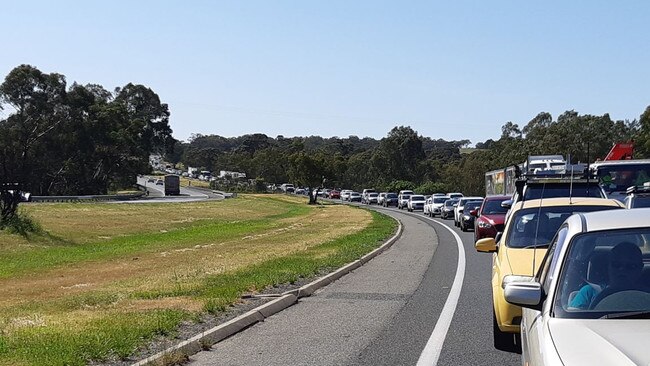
[(449, 69)]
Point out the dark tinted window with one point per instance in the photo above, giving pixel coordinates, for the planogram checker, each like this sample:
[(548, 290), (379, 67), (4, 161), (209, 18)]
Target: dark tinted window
[(493, 207), (534, 191), (391, 195), (440, 199), (450, 203), (619, 177), (638, 202)]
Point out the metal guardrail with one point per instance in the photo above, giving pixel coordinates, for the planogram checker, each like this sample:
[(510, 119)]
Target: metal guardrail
[(91, 198), (225, 195)]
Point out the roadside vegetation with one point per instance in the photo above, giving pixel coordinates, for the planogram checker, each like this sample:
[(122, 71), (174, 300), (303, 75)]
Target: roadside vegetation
[(100, 280)]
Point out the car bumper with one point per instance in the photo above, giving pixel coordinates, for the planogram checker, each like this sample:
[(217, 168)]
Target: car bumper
[(508, 315)]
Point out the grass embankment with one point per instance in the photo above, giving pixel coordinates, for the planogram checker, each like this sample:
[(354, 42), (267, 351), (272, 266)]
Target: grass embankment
[(107, 278)]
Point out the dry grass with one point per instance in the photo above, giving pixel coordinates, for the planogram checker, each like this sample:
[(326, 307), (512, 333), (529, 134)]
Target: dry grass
[(86, 292), (81, 224), (186, 182)]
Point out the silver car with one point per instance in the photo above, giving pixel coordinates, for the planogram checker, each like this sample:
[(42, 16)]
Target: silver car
[(589, 304)]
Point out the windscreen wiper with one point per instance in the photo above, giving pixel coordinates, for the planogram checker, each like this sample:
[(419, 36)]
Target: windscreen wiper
[(628, 315), (545, 245)]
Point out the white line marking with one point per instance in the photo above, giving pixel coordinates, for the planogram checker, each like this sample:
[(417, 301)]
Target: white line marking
[(431, 352)]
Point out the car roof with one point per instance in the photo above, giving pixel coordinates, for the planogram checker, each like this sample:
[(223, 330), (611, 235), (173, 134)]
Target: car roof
[(619, 162), (566, 201), (497, 198), (616, 219)]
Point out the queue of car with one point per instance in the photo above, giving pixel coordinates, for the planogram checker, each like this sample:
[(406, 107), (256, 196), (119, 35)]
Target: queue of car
[(568, 264), (571, 267)]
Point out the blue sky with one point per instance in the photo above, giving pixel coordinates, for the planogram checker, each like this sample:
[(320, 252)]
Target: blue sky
[(452, 70)]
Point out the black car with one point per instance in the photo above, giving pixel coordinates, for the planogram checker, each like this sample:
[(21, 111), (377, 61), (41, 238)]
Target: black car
[(467, 219), (390, 200)]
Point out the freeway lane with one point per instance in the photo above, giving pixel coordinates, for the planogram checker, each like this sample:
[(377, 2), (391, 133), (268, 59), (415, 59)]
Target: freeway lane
[(381, 314)]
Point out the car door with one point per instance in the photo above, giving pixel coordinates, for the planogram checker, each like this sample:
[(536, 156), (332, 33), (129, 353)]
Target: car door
[(534, 329)]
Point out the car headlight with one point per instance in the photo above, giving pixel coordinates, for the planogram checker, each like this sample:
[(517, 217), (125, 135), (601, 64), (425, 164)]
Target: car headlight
[(484, 225), (514, 278)]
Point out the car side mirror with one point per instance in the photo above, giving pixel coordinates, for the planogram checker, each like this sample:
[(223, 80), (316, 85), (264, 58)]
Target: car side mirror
[(498, 237), (507, 204), (473, 213), (486, 245), (525, 294)]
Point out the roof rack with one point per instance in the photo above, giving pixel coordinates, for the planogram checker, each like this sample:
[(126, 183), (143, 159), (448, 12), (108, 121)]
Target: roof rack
[(644, 189), (569, 171)]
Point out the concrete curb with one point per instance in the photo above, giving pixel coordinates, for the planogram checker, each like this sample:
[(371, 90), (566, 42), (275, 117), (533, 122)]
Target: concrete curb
[(211, 336)]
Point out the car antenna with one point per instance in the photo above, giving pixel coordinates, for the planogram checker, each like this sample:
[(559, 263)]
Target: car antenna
[(571, 187), (539, 214)]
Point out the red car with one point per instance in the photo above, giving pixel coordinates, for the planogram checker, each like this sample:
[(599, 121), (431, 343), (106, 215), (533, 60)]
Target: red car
[(490, 217), (335, 194)]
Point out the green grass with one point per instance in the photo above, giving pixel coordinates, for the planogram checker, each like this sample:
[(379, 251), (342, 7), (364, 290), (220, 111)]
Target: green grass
[(110, 336), (222, 290), (111, 333), (34, 260)]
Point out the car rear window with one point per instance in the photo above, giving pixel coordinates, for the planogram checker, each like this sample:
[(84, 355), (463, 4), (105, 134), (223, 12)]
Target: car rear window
[(535, 191), (493, 207)]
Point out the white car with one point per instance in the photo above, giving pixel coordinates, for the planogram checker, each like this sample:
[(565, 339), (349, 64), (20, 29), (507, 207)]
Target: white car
[(403, 199), (458, 210), (345, 194), (415, 202), (436, 205), (589, 303), (427, 206)]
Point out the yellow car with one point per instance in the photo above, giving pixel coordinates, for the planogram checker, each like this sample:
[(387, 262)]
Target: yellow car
[(530, 228)]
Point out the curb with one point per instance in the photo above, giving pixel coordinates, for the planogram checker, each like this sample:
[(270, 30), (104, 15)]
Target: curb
[(211, 336)]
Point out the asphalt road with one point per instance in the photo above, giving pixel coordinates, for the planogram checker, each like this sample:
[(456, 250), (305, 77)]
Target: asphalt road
[(383, 313), (188, 194)]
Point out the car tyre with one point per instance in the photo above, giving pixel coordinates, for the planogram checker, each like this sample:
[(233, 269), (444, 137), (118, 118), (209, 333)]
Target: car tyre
[(504, 341)]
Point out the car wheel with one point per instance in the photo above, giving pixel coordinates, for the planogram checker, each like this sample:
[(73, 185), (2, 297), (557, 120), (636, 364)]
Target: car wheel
[(504, 341)]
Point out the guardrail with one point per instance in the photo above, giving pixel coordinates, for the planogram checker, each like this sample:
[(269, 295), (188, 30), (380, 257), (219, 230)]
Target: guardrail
[(225, 195), (91, 198)]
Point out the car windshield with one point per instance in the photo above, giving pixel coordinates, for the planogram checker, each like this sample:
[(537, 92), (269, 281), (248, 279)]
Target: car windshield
[(406, 196), (535, 227), (605, 274), (472, 205), (440, 199), (534, 191), (373, 195), (618, 177), (417, 198), (450, 203), (391, 195), (493, 207)]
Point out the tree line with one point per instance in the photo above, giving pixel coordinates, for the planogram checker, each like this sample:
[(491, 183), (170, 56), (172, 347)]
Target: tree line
[(76, 140), (84, 139), (404, 159), (81, 139)]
